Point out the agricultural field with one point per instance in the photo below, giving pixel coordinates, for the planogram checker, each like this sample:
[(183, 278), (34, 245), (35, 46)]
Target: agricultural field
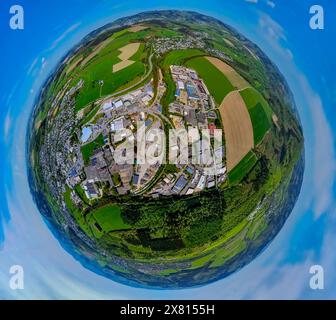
[(216, 82), (179, 57), (260, 113), (238, 129), (76, 213), (137, 28), (233, 76), (126, 56)]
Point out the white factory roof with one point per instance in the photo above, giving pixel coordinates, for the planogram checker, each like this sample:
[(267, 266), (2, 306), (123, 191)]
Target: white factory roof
[(118, 104), (117, 125), (201, 183), (107, 105), (180, 85)]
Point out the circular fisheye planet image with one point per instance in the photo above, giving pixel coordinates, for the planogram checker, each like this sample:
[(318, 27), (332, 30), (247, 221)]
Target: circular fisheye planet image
[(165, 150)]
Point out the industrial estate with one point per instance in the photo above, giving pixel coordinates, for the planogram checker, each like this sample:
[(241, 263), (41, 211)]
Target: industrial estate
[(164, 147)]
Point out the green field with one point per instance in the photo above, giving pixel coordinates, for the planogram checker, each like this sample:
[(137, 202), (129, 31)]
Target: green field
[(242, 168), (102, 70), (216, 82), (178, 57), (88, 149), (109, 218), (201, 262), (99, 67), (76, 213), (231, 252), (260, 113)]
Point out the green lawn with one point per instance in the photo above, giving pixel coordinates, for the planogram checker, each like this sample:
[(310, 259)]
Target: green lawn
[(88, 149), (216, 82), (242, 168), (260, 113), (109, 218)]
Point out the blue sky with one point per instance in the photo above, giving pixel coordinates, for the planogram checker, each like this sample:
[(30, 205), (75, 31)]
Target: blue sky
[(305, 57)]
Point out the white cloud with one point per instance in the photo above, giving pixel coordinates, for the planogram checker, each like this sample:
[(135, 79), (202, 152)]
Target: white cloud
[(271, 4), (252, 1), (323, 157), (324, 151), (274, 30), (64, 35), (32, 66), (53, 273), (43, 64), (8, 121), (275, 36)]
